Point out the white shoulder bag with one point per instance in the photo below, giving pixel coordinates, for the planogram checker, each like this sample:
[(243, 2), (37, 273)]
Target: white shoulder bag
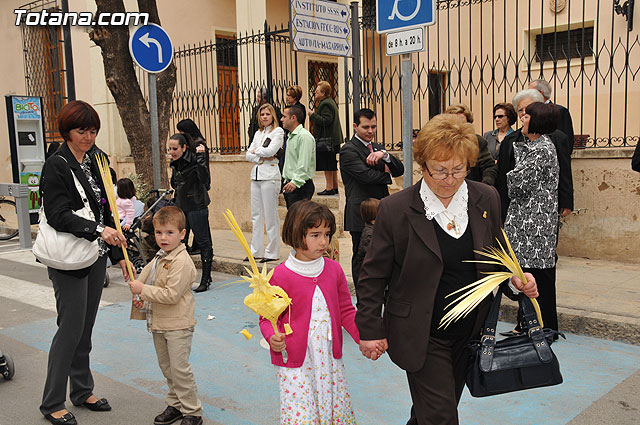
[(63, 250)]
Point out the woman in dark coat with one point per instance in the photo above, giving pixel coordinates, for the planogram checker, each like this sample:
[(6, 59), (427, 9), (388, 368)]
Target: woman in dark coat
[(189, 127), (77, 291), (421, 239), (190, 178), (326, 124)]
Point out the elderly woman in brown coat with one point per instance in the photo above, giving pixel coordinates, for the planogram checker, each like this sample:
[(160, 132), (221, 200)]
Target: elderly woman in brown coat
[(422, 238)]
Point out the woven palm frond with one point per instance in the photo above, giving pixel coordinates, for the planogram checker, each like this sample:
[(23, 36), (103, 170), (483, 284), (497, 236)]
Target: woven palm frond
[(267, 300), (105, 173), (473, 294)]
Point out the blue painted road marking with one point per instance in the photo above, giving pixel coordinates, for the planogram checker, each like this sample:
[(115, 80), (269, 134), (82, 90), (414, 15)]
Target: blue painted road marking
[(237, 383)]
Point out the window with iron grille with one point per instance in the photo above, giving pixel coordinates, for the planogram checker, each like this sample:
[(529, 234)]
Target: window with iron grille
[(44, 71), (563, 45)]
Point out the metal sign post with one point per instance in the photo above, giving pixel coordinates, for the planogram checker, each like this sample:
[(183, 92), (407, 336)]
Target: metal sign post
[(152, 50), (408, 19), (407, 121)]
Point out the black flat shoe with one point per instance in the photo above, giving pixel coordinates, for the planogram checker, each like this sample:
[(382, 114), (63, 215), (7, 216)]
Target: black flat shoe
[(326, 192), (258, 259), (511, 333), (101, 405), (266, 260), (66, 419)]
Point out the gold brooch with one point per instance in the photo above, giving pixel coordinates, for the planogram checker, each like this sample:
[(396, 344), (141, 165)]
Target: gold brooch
[(484, 214)]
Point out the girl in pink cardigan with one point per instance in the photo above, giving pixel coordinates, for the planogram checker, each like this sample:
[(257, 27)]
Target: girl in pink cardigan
[(313, 387)]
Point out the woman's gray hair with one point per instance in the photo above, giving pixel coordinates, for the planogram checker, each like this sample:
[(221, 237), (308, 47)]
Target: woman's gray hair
[(532, 94)]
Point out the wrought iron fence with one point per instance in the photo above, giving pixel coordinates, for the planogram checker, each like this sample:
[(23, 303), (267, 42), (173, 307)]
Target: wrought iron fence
[(44, 67), (482, 52), (217, 83)]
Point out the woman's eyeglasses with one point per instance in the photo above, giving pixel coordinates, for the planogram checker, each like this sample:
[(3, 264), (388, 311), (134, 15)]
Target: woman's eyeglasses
[(498, 116), (442, 175)]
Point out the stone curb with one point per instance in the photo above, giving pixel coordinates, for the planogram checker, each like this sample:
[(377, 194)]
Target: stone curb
[(594, 324), (598, 325)]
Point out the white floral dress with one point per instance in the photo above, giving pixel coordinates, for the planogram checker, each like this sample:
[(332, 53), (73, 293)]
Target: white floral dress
[(316, 393)]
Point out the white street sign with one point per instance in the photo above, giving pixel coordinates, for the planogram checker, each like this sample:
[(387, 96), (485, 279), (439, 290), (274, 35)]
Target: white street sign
[(321, 26), (406, 41)]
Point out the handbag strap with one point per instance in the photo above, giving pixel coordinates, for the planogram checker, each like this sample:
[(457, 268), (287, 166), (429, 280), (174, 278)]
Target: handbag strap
[(79, 188), (534, 332)]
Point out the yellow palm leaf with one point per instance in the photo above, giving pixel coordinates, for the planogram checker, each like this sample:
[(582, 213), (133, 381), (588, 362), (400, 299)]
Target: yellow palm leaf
[(105, 173), (474, 293), (267, 300)]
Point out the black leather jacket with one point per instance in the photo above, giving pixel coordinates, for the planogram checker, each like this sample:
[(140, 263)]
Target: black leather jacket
[(191, 180)]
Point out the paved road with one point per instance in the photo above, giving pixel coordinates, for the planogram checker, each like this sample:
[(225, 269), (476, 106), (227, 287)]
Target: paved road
[(236, 382)]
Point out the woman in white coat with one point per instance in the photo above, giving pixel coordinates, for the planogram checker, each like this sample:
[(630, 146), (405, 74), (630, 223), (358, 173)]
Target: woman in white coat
[(265, 184)]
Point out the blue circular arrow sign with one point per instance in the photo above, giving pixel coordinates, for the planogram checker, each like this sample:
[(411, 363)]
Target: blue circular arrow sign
[(151, 48)]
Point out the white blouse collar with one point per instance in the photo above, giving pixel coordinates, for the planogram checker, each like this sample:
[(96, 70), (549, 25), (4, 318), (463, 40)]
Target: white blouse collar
[(456, 211), (311, 268)]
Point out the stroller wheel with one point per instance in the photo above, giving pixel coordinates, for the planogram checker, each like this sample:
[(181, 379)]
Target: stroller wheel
[(10, 368), (106, 280)]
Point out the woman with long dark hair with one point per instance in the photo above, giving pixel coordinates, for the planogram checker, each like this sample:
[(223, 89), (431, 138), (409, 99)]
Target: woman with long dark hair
[(187, 126), (191, 181)]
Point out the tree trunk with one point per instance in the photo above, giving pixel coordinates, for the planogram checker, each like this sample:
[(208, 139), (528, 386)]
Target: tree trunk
[(123, 84)]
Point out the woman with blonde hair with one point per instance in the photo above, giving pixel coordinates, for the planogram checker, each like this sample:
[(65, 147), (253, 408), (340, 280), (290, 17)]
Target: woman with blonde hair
[(265, 184), (328, 134)]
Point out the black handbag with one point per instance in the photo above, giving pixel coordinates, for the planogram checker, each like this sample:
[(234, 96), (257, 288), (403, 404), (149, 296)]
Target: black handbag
[(324, 144), (514, 363)]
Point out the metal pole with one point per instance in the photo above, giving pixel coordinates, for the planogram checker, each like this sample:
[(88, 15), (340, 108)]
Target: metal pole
[(68, 56), (407, 121), (20, 192), (155, 137), (355, 42), (347, 118)]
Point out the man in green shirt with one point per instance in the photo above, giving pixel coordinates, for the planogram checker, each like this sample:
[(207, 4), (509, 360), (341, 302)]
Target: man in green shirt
[(299, 157)]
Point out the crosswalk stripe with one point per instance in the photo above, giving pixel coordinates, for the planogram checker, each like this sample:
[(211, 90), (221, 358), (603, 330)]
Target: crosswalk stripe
[(31, 293)]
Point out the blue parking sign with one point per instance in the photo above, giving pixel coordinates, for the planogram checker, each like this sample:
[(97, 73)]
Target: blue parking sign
[(151, 48), (392, 15)]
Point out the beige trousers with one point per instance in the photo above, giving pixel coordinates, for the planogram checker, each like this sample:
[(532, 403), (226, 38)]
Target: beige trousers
[(173, 349)]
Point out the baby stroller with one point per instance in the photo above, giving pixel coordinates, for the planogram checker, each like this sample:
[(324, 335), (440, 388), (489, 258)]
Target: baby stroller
[(7, 369), (138, 255), (140, 247)]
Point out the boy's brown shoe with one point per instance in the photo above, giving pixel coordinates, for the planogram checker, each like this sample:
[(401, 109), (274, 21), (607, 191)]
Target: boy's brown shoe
[(169, 416), (191, 420)]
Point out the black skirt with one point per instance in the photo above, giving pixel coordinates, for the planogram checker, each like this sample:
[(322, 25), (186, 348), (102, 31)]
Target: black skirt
[(326, 161)]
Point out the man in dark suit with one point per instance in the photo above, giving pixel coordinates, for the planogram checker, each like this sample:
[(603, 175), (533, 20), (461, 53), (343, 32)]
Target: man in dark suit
[(366, 170), (565, 123), (506, 159)]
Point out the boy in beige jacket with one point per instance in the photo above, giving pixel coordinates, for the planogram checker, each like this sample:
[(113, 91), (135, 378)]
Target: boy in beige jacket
[(164, 286)]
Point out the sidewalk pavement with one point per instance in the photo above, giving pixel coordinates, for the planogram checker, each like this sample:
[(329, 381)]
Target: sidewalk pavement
[(594, 297)]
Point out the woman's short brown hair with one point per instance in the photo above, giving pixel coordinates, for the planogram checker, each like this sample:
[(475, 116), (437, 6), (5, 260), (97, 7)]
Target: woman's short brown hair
[(170, 215), (77, 114), (295, 92), (445, 137), (512, 116), (271, 109), (460, 109), (369, 209), (302, 216)]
